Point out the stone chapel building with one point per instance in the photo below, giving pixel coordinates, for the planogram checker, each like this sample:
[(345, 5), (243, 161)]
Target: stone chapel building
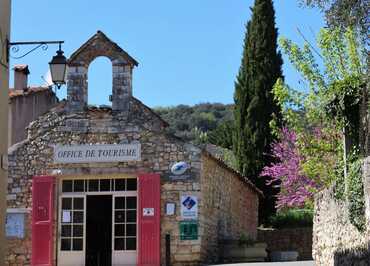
[(109, 186)]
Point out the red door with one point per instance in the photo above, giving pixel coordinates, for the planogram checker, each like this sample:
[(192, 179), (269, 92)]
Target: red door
[(149, 220), (42, 220)]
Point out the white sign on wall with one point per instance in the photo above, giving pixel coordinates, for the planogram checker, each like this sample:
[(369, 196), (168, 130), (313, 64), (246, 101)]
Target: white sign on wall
[(97, 153), (148, 211), (14, 226), (189, 207)]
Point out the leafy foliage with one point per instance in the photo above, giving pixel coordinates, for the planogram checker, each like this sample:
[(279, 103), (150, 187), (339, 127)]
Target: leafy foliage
[(254, 103), (194, 123), (344, 13), (355, 196), (292, 218), (315, 119), (223, 135)]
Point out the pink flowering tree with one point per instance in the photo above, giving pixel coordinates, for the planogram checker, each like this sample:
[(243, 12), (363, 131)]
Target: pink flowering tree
[(286, 173)]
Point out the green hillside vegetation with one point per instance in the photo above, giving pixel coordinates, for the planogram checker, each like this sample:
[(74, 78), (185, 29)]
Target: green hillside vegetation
[(195, 123)]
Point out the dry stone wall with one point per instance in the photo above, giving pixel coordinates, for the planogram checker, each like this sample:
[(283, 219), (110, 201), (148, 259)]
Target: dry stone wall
[(229, 208), (289, 239), (335, 240)]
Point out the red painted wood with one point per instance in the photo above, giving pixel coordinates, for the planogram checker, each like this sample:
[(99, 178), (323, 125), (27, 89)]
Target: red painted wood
[(149, 226), (42, 220)]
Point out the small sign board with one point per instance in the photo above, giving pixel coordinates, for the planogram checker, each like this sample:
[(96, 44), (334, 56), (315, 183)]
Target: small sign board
[(148, 211), (14, 226), (97, 153), (188, 230), (189, 207), (179, 171), (170, 208)]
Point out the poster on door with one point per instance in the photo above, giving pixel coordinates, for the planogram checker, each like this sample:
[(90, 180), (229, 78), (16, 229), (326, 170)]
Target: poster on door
[(189, 207)]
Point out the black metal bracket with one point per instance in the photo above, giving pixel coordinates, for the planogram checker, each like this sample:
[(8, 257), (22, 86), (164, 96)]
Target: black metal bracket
[(14, 47)]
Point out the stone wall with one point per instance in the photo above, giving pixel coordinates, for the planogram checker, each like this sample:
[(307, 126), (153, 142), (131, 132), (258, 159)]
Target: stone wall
[(335, 240), (19, 249), (294, 239), (227, 204), (34, 157), (229, 207)]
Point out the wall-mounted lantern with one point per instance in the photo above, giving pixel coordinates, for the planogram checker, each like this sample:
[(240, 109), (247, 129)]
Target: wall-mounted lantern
[(58, 64)]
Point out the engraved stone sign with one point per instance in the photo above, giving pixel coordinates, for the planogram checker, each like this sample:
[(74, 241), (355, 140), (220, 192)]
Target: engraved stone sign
[(97, 153)]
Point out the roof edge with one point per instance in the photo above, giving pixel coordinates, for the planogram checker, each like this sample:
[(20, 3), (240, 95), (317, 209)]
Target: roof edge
[(233, 171), (101, 35)]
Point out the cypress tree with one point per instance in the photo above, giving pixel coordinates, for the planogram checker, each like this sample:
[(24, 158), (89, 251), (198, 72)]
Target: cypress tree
[(254, 104)]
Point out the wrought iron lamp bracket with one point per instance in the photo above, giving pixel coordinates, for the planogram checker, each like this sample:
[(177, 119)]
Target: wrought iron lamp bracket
[(14, 47)]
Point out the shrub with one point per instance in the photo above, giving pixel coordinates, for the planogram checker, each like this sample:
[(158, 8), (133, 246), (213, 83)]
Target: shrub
[(355, 196), (292, 218)]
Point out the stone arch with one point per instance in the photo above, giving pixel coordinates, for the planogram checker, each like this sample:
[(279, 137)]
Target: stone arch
[(122, 66), (100, 72)]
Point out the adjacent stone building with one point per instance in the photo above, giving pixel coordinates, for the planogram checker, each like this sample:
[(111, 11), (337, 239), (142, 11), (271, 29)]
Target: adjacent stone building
[(26, 104), (109, 186)]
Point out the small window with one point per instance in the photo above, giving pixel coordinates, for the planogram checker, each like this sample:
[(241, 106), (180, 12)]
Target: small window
[(67, 186), (131, 203), (104, 184), (78, 230), (66, 230), (119, 217), (78, 203), (130, 229), (131, 184), (78, 217), (130, 243), (119, 203), (120, 184), (66, 244), (131, 216), (78, 185), (119, 244), (67, 203), (119, 230), (77, 244), (93, 185)]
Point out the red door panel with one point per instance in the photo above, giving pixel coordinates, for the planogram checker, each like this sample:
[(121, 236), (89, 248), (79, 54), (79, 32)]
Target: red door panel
[(149, 213), (42, 220)]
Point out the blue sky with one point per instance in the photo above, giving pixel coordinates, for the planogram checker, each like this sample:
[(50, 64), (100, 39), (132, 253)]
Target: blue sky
[(188, 51)]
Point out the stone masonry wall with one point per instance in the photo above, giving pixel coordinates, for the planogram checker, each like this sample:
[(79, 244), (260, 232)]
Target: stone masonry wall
[(229, 207), (35, 157), (294, 239), (336, 242)]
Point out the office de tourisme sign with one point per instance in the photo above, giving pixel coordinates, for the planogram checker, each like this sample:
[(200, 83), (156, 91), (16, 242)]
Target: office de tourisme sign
[(97, 153)]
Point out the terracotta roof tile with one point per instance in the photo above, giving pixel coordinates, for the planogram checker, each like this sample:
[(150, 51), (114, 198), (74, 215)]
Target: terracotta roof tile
[(30, 90)]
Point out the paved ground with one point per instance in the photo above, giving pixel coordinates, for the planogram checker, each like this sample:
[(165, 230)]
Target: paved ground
[(295, 263)]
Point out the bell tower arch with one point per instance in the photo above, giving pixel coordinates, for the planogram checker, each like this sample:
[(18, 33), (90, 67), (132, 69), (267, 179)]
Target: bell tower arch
[(122, 68)]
